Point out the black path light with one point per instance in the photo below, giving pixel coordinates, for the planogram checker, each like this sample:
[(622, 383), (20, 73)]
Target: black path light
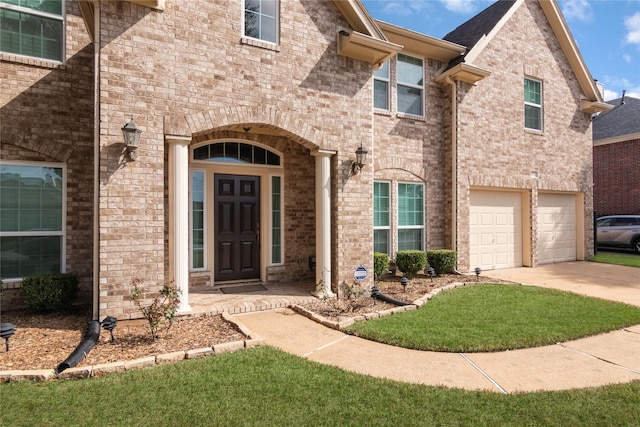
[(109, 324), (6, 331), (375, 291), (431, 272), (404, 282), (478, 271)]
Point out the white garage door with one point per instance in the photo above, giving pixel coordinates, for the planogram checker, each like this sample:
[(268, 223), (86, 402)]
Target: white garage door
[(556, 228), (495, 237)]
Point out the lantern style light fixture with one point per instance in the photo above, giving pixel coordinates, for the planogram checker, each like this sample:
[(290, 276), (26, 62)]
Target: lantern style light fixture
[(478, 270), (361, 159), (131, 136)]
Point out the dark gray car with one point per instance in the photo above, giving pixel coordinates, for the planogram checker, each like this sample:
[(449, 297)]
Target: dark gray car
[(619, 231)]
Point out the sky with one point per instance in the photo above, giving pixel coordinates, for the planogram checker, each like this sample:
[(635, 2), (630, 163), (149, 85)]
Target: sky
[(607, 32)]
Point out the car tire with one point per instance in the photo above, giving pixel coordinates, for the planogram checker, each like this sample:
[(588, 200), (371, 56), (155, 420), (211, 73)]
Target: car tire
[(636, 246)]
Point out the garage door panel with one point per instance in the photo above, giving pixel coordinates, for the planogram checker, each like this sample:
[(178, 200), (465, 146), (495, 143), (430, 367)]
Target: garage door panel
[(495, 230), (557, 234)]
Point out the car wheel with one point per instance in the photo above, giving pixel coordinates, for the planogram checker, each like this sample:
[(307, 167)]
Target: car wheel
[(636, 246)]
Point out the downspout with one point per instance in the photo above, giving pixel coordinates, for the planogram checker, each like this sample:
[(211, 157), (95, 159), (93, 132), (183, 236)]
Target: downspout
[(96, 161), (454, 162)]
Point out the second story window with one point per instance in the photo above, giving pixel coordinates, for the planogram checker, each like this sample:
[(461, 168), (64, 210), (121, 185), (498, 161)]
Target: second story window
[(410, 79), (32, 28), (532, 104), (261, 20), (381, 87)]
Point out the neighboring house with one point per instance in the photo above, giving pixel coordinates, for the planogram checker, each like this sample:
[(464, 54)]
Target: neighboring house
[(616, 158), (251, 114)]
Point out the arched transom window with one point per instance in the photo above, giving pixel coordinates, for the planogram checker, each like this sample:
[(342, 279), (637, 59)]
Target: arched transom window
[(236, 152)]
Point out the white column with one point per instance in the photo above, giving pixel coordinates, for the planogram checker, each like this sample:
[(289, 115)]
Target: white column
[(323, 223), (179, 216)]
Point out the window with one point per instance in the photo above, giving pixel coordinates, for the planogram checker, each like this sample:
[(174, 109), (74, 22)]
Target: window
[(381, 87), (236, 152), (410, 79), (381, 217), (276, 220), (532, 104), (32, 219), (410, 216), (197, 220), (261, 20), (32, 28)]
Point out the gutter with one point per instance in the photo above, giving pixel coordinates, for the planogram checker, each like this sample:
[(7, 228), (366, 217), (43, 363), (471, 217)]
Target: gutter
[(454, 162), (96, 161)]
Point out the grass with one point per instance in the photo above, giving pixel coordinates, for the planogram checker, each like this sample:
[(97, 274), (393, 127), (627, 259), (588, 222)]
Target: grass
[(264, 386), (491, 317), (629, 260)]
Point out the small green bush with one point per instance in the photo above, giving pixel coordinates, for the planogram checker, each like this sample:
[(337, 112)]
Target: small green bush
[(50, 292), (380, 264), (442, 260), (411, 261)]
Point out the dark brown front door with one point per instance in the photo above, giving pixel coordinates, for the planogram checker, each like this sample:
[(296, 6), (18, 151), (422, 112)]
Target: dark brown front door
[(237, 227)]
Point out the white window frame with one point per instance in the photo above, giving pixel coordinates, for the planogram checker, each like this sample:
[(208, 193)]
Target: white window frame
[(192, 172), (391, 216), (421, 227), (245, 37), (62, 17), (534, 105), (281, 210), (387, 81), (410, 85), (62, 233)]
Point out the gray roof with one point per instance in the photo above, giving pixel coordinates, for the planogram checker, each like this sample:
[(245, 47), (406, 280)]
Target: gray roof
[(623, 119), (472, 31)]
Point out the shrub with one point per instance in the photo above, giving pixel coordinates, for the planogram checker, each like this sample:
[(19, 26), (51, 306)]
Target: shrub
[(162, 309), (442, 260), (411, 261), (51, 292), (380, 264)]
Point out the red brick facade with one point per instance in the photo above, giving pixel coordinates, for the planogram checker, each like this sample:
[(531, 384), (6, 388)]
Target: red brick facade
[(616, 181)]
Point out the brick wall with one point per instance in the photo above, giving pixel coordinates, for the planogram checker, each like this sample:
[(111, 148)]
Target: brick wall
[(190, 63), (495, 151), (46, 115), (616, 182)]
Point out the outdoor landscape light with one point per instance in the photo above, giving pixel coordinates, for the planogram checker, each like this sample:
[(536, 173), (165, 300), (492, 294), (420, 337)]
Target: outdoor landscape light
[(6, 331), (478, 271), (109, 324), (361, 159), (131, 136), (375, 291), (431, 272), (404, 282)]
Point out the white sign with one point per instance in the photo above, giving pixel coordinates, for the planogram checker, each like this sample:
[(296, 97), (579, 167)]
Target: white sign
[(360, 273)]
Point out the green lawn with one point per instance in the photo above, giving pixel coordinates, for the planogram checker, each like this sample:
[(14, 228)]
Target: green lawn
[(629, 260), (492, 317), (266, 387)]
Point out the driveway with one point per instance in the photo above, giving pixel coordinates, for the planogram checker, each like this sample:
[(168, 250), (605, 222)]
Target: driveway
[(612, 282)]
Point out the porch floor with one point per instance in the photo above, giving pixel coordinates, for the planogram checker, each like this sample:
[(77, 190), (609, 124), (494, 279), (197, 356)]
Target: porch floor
[(277, 295)]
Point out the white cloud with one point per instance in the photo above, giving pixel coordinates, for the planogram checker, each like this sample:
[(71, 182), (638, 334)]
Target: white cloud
[(404, 8), (633, 28), (577, 9), (609, 95), (461, 6), (627, 58)]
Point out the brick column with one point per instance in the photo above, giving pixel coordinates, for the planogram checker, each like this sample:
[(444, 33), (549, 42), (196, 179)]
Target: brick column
[(179, 216), (323, 223)]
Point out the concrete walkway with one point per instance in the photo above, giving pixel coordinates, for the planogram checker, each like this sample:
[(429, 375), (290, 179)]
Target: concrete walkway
[(604, 359)]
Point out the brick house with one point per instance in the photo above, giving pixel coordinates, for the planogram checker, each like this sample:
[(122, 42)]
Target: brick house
[(251, 114), (616, 156)]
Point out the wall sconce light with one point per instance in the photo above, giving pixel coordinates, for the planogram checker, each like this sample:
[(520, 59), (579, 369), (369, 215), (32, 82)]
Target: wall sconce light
[(361, 159), (131, 136)]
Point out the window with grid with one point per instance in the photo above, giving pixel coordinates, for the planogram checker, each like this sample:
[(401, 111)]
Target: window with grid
[(32, 219), (276, 220), (410, 84), (261, 20), (32, 28), (532, 104), (381, 87), (197, 220), (410, 216), (381, 217)]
